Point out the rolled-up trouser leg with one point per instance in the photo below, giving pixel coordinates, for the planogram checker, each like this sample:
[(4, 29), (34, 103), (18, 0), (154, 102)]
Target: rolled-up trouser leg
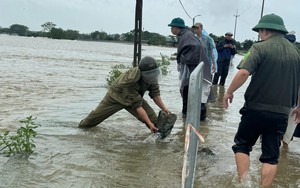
[(150, 112), (106, 108)]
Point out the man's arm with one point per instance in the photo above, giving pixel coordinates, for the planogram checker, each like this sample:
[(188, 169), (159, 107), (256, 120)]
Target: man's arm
[(144, 116), (160, 104), (213, 58), (296, 110), (238, 80)]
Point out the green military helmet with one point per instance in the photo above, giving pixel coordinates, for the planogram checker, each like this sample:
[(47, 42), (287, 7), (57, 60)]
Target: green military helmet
[(271, 21), (150, 70), (148, 63)]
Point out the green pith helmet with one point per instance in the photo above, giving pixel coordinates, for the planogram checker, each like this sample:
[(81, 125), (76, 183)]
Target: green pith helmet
[(177, 22), (150, 70), (271, 21), (148, 63)]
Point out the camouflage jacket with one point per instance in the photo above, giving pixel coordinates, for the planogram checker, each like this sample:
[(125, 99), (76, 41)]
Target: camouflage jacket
[(129, 88)]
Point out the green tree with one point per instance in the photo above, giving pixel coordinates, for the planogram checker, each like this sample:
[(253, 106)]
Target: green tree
[(116, 37), (71, 34), (4, 30), (57, 33), (99, 35), (154, 38), (247, 44), (18, 29), (84, 37), (48, 26), (129, 36)]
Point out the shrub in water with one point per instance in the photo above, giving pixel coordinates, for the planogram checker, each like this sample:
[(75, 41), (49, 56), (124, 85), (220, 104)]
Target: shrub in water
[(20, 143), (115, 72)]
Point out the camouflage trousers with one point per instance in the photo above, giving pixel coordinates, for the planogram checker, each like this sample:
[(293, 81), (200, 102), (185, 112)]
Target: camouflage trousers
[(108, 106)]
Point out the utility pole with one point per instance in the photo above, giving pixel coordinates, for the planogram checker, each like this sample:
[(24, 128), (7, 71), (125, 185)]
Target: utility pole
[(236, 16), (261, 13), (138, 33), (262, 8)]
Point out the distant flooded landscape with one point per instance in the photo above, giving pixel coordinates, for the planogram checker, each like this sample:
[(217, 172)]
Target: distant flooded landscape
[(61, 81)]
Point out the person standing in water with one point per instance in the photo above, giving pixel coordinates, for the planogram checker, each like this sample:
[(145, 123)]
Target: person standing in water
[(272, 91), (209, 46), (226, 50), (190, 53)]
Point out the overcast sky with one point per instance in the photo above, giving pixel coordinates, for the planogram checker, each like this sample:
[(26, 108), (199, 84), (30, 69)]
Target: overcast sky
[(118, 16)]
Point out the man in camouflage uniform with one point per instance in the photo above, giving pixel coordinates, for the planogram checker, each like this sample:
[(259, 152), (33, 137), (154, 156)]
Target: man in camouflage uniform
[(127, 92)]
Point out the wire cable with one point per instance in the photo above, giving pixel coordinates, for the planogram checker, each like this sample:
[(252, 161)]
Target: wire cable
[(185, 10)]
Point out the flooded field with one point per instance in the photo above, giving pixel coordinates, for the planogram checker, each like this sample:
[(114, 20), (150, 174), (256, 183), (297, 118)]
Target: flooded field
[(60, 82)]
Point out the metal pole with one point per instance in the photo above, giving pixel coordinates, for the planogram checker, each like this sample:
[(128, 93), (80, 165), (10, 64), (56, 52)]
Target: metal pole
[(193, 118), (138, 33), (194, 18), (236, 16), (261, 13), (262, 9)]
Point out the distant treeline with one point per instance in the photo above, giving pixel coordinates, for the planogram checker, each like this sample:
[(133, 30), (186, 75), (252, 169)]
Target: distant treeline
[(50, 30)]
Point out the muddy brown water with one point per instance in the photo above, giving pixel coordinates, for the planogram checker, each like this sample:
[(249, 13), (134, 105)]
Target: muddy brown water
[(60, 82)]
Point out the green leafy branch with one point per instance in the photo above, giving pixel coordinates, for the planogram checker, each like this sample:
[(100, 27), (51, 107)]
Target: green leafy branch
[(164, 62), (115, 73), (20, 143)]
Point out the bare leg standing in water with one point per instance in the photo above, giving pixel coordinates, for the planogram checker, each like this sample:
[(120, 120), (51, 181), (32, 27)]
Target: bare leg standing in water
[(242, 162), (268, 173)]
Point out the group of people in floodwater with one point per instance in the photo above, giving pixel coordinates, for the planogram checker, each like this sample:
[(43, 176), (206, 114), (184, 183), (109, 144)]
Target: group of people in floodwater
[(272, 98)]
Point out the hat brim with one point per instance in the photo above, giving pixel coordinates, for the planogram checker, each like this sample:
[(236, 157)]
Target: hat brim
[(176, 25), (270, 26)]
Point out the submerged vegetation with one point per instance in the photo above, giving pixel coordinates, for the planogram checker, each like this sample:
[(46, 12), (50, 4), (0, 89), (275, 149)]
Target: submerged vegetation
[(164, 62), (115, 73), (21, 143)]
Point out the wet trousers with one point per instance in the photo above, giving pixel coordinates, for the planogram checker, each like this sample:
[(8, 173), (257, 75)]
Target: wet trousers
[(223, 68), (108, 106), (270, 126), (184, 95)]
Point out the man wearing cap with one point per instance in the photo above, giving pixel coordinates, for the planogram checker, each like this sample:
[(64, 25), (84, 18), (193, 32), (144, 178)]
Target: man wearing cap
[(127, 92), (189, 54), (273, 89), (210, 50), (226, 49)]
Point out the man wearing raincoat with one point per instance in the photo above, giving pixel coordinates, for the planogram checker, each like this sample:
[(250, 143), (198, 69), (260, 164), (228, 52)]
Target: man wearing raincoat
[(189, 54), (210, 49)]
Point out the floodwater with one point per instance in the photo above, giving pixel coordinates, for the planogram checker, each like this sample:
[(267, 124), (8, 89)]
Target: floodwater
[(61, 81)]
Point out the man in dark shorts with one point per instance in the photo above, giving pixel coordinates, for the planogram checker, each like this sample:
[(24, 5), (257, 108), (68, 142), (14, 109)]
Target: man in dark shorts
[(275, 69)]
